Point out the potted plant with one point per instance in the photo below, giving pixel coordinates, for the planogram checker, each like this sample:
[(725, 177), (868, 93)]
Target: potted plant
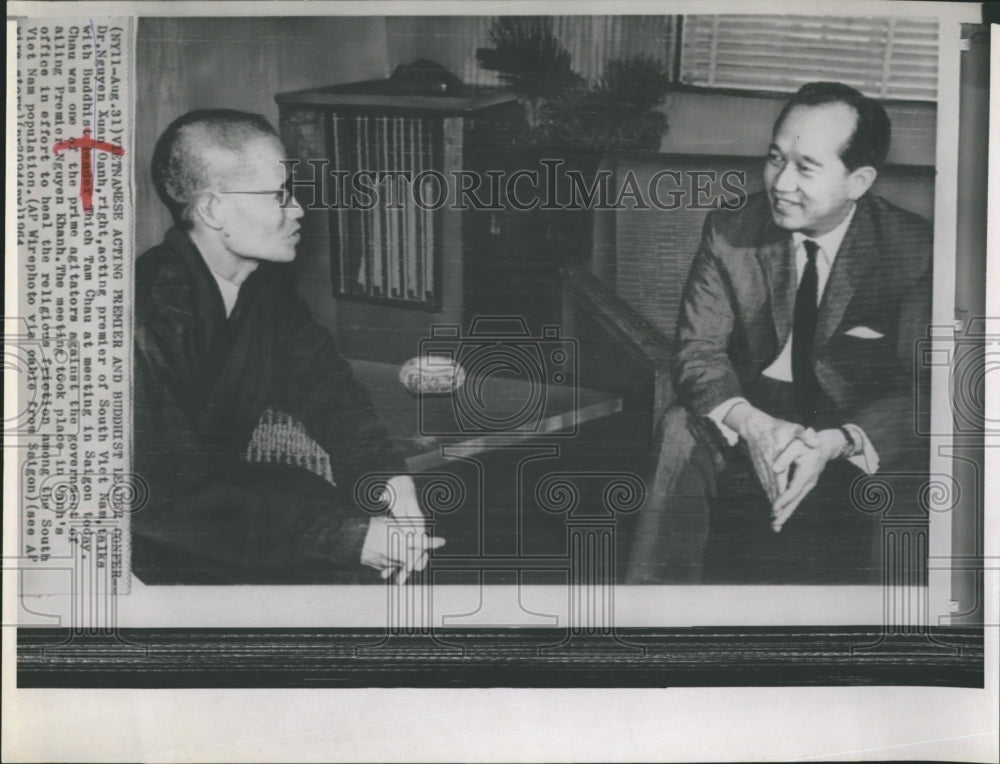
[(617, 112), (569, 119)]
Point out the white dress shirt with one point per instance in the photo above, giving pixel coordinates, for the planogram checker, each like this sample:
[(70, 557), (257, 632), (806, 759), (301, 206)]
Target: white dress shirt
[(781, 368)]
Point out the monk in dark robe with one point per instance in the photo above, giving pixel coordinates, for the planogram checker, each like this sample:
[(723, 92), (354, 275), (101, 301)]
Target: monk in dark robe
[(221, 337)]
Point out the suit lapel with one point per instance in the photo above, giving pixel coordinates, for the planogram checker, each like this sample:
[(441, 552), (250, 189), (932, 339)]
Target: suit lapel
[(853, 259), (775, 257)]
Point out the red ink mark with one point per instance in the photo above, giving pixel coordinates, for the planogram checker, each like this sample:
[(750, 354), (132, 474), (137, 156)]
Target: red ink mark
[(86, 144)]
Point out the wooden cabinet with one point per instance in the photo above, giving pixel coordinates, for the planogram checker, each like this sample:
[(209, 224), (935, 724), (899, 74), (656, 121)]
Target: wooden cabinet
[(390, 237)]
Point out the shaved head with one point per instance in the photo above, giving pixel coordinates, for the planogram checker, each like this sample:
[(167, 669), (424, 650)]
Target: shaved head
[(202, 150)]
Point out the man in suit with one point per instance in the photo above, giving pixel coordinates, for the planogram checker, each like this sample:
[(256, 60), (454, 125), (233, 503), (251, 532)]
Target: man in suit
[(794, 370)]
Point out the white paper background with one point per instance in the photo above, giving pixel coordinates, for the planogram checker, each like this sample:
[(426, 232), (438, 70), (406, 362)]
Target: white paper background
[(519, 725)]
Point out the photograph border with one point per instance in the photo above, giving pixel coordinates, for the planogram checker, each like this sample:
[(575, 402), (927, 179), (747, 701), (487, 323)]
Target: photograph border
[(351, 658)]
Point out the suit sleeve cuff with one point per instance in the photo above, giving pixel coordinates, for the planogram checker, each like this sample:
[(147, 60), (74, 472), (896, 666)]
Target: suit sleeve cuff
[(867, 459), (719, 413)]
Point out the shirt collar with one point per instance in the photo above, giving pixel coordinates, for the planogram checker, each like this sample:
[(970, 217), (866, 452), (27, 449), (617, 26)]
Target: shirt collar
[(829, 242)]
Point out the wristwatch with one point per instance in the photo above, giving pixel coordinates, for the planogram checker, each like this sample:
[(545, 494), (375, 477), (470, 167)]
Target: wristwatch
[(851, 446)]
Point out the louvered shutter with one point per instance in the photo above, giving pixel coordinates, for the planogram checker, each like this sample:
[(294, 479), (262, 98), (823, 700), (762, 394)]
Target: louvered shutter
[(887, 58)]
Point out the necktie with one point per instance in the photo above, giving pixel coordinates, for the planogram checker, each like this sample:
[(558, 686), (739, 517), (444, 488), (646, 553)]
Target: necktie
[(803, 333)]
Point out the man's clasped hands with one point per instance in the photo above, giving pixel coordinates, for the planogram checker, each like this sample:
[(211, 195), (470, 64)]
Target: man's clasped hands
[(787, 458)]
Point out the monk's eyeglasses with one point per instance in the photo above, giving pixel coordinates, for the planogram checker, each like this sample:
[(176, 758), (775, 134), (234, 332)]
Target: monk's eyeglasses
[(283, 196)]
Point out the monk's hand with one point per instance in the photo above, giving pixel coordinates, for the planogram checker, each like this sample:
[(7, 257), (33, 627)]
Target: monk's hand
[(765, 437), (397, 546), (400, 495), (409, 520), (809, 455)]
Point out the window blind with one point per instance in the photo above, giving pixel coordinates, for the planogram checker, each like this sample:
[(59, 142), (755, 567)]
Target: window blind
[(886, 58)]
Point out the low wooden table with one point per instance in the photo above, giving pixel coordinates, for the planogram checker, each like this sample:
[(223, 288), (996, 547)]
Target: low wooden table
[(502, 527), (500, 416)]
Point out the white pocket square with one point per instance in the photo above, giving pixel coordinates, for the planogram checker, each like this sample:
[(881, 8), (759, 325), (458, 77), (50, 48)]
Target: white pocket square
[(864, 333)]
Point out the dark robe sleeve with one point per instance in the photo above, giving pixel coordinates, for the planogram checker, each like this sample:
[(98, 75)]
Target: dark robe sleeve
[(317, 386), (209, 512)]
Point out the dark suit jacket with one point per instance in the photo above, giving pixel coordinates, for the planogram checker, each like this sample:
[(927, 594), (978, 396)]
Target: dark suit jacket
[(736, 316)]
